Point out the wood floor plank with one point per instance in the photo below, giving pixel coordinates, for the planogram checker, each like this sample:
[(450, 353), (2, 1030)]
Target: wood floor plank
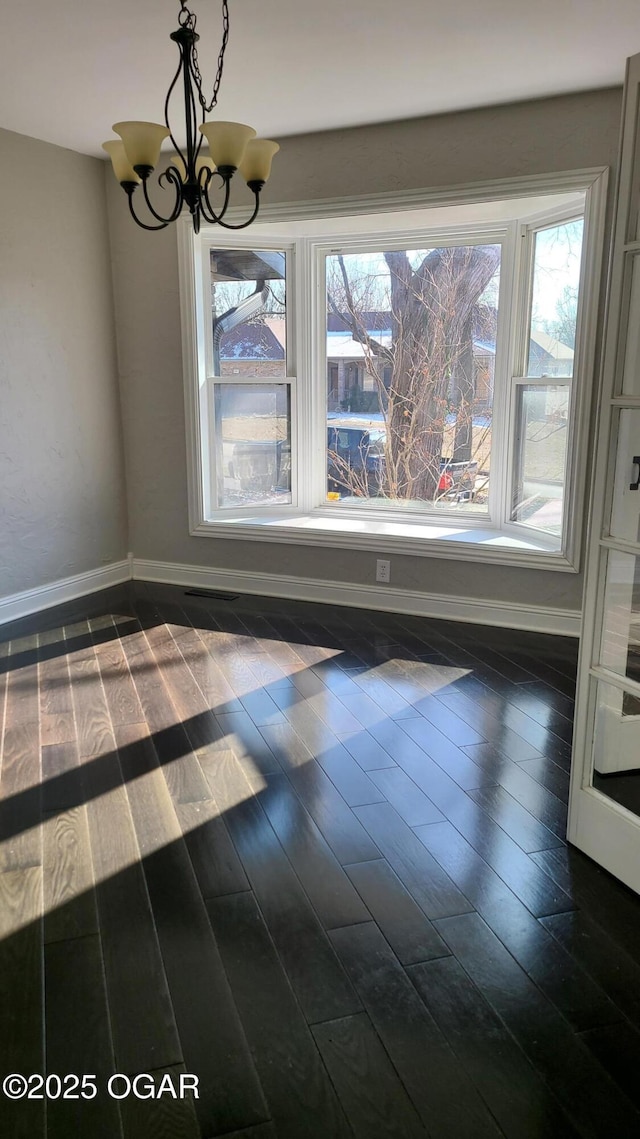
[(171, 742), (506, 706), (397, 737), (455, 729), (299, 1094), (549, 775), (93, 722), (531, 795), (367, 751), (331, 709), (20, 769), (617, 1048), (409, 932), (185, 694), (53, 675), (61, 778), (610, 967), (262, 1131), (343, 831), (371, 1093), (491, 842), (586, 1092), (122, 698), (161, 1116), (446, 754), (212, 853), (425, 880), (142, 1020), (328, 887), (21, 995), (78, 1038), (324, 746), (541, 704), (517, 1096), (492, 727), (417, 1048), (153, 694), (384, 697), (518, 823), (247, 742), (558, 975), (409, 801), (211, 1037), (20, 797), (539, 893), (206, 671), (607, 901), (319, 982), (69, 899)]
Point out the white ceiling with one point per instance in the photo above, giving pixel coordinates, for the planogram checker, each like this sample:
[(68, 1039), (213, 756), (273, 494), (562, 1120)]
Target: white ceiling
[(69, 69)]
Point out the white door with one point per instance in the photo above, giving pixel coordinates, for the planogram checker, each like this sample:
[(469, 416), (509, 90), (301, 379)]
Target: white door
[(604, 808)]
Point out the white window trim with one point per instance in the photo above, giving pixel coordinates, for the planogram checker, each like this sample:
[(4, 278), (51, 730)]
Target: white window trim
[(442, 537)]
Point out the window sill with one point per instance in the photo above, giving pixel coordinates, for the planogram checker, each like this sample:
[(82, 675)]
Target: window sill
[(435, 539)]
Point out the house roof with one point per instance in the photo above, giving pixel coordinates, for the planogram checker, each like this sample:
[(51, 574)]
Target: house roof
[(265, 340), (251, 342), (551, 345)]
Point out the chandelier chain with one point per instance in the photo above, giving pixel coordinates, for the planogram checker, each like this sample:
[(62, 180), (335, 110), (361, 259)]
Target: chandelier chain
[(187, 19)]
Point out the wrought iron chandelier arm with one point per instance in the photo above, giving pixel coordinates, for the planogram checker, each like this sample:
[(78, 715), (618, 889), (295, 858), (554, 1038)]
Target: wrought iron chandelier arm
[(208, 212), (244, 224), (142, 224), (171, 175), (166, 110)]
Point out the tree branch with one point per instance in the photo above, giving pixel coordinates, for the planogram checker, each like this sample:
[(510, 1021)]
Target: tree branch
[(358, 332)]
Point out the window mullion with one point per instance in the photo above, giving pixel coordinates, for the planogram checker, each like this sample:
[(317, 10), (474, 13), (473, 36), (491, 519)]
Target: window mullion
[(506, 345)]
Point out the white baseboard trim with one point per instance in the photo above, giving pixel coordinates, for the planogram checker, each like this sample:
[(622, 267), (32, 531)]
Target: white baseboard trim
[(537, 618), (18, 605)]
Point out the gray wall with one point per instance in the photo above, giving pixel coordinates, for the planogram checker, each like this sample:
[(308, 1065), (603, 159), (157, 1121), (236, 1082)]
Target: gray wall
[(566, 133), (62, 496)]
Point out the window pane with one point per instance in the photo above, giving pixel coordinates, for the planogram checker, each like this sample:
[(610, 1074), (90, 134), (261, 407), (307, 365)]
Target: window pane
[(616, 745), (248, 311), (620, 649), (554, 302), (252, 444), (542, 416), (411, 347)]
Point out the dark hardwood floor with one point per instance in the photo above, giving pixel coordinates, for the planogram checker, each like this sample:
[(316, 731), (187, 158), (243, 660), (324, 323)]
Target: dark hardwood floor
[(314, 857)]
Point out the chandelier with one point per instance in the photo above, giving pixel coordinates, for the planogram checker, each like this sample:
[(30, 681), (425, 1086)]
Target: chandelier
[(193, 177)]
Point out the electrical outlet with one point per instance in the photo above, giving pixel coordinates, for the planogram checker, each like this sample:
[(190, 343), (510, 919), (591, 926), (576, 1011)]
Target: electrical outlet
[(383, 570)]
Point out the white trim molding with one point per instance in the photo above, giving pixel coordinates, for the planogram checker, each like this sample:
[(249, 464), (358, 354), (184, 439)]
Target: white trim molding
[(18, 605), (536, 618)]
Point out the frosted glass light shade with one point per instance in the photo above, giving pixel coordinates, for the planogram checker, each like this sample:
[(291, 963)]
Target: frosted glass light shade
[(122, 168), (256, 164), (142, 141), (203, 162), (227, 141)]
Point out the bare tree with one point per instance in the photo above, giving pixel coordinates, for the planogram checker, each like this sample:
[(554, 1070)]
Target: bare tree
[(431, 309)]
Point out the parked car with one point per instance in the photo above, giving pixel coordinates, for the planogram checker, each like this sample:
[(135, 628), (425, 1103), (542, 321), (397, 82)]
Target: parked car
[(356, 449), (264, 466), (361, 450)]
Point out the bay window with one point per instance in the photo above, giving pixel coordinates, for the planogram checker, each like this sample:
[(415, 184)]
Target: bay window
[(414, 378)]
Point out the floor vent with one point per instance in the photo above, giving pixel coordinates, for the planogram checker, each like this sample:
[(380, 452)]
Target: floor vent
[(213, 593)]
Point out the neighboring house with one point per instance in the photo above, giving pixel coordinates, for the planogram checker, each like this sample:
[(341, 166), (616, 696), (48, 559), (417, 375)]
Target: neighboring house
[(258, 349), (549, 356), (254, 349)]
